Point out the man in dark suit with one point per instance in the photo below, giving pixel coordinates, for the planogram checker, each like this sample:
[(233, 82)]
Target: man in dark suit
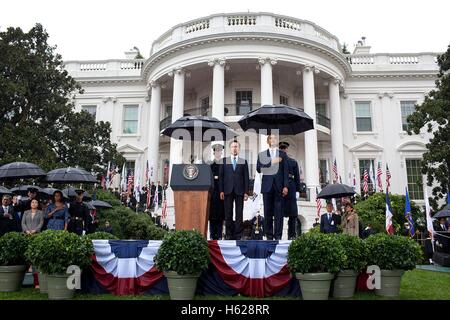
[(272, 163), (329, 220), (6, 215), (18, 213), (216, 210), (233, 184), (159, 189), (290, 207)]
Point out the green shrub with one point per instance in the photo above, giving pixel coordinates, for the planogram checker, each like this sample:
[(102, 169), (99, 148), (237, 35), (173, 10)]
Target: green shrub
[(12, 248), (373, 211), (185, 252), (316, 252), (141, 226), (100, 235), (52, 251), (355, 251), (391, 252)]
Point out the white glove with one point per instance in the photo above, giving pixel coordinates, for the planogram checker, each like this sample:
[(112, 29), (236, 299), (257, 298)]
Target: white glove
[(84, 232), (297, 195)]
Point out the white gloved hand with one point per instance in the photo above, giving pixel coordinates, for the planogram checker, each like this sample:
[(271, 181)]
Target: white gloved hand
[(84, 232), (297, 195)]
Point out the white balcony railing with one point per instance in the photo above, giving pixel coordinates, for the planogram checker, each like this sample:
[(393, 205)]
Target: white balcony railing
[(119, 67), (393, 62), (248, 23)]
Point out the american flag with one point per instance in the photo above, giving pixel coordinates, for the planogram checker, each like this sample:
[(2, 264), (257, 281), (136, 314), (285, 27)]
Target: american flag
[(130, 182), (335, 172), (388, 178), (318, 204), (164, 208), (366, 181), (379, 173), (146, 182)]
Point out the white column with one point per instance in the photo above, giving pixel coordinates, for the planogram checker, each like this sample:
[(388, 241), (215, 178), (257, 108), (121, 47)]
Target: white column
[(153, 132), (311, 150), (266, 89), (218, 90), (176, 146), (337, 141)]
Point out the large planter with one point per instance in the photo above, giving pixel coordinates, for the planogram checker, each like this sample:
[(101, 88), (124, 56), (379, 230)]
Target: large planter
[(181, 287), (390, 283), (11, 278), (42, 282), (315, 286), (344, 284), (57, 287)]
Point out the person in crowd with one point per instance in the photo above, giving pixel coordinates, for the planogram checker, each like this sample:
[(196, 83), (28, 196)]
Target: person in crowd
[(233, 186), (159, 188), (18, 213), (32, 194), (6, 215), (33, 219), (79, 212), (441, 225), (290, 207), (368, 231), (217, 209), (272, 163), (92, 222), (57, 212), (107, 227), (330, 220), (350, 221), (152, 194)]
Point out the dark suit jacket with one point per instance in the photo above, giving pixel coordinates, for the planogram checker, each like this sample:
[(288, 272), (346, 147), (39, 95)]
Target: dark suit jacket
[(326, 226), (234, 181), (273, 175)]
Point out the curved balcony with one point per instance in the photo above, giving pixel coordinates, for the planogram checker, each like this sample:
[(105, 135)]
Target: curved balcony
[(235, 23)]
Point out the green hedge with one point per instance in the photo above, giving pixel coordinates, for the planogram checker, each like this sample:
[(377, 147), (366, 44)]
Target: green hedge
[(12, 248), (391, 252), (52, 251), (185, 252), (100, 235), (316, 252), (356, 252)]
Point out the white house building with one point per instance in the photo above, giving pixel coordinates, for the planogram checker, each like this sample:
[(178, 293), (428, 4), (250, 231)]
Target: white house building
[(225, 65)]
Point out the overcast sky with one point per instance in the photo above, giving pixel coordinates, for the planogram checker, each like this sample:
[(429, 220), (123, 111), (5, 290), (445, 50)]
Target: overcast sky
[(104, 29)]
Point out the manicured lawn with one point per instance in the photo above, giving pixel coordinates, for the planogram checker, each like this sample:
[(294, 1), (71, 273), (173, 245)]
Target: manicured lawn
[(416, 285)]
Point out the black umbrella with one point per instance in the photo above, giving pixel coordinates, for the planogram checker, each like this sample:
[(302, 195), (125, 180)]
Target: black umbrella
[(197, 126), (70, 175), (442, 214), (23, 190), (50, 191), (70, 192), (90, 205), (21, 170), (337, 190), (287, 120), (101, 204), (4, 190)]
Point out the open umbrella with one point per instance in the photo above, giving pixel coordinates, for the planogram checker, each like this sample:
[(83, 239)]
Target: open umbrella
[(197, 126), (287, 120), (442, 214), (4, 190), (70, 192), (99, 204), (337, 190), (70, 175), (23, 189), (20, 170)]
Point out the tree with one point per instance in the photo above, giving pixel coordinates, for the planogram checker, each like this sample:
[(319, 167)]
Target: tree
[(38, 122), (434, 113)]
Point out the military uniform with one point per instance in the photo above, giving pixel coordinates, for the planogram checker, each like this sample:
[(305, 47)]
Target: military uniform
[(290, 208), (216, 211), (79, 213)]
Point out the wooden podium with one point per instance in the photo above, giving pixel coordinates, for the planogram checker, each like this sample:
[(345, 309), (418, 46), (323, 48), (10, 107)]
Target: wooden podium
[(191, 185)]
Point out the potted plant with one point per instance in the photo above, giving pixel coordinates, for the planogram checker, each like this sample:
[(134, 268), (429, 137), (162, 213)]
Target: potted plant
[(356, 260), (315, 258), (52, 252), (183, 255), (12, 261), (393, 255)]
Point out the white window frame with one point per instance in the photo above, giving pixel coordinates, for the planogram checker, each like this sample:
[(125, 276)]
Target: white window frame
[(90, 105), (355, 128), (138, 130)]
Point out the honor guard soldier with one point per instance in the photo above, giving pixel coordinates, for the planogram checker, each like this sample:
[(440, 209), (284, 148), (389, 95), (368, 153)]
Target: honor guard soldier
[(216, 211), (79, 213), (290, 208)]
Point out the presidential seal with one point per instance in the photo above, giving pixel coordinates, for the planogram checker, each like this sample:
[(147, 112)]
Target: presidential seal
[(190, 171)]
